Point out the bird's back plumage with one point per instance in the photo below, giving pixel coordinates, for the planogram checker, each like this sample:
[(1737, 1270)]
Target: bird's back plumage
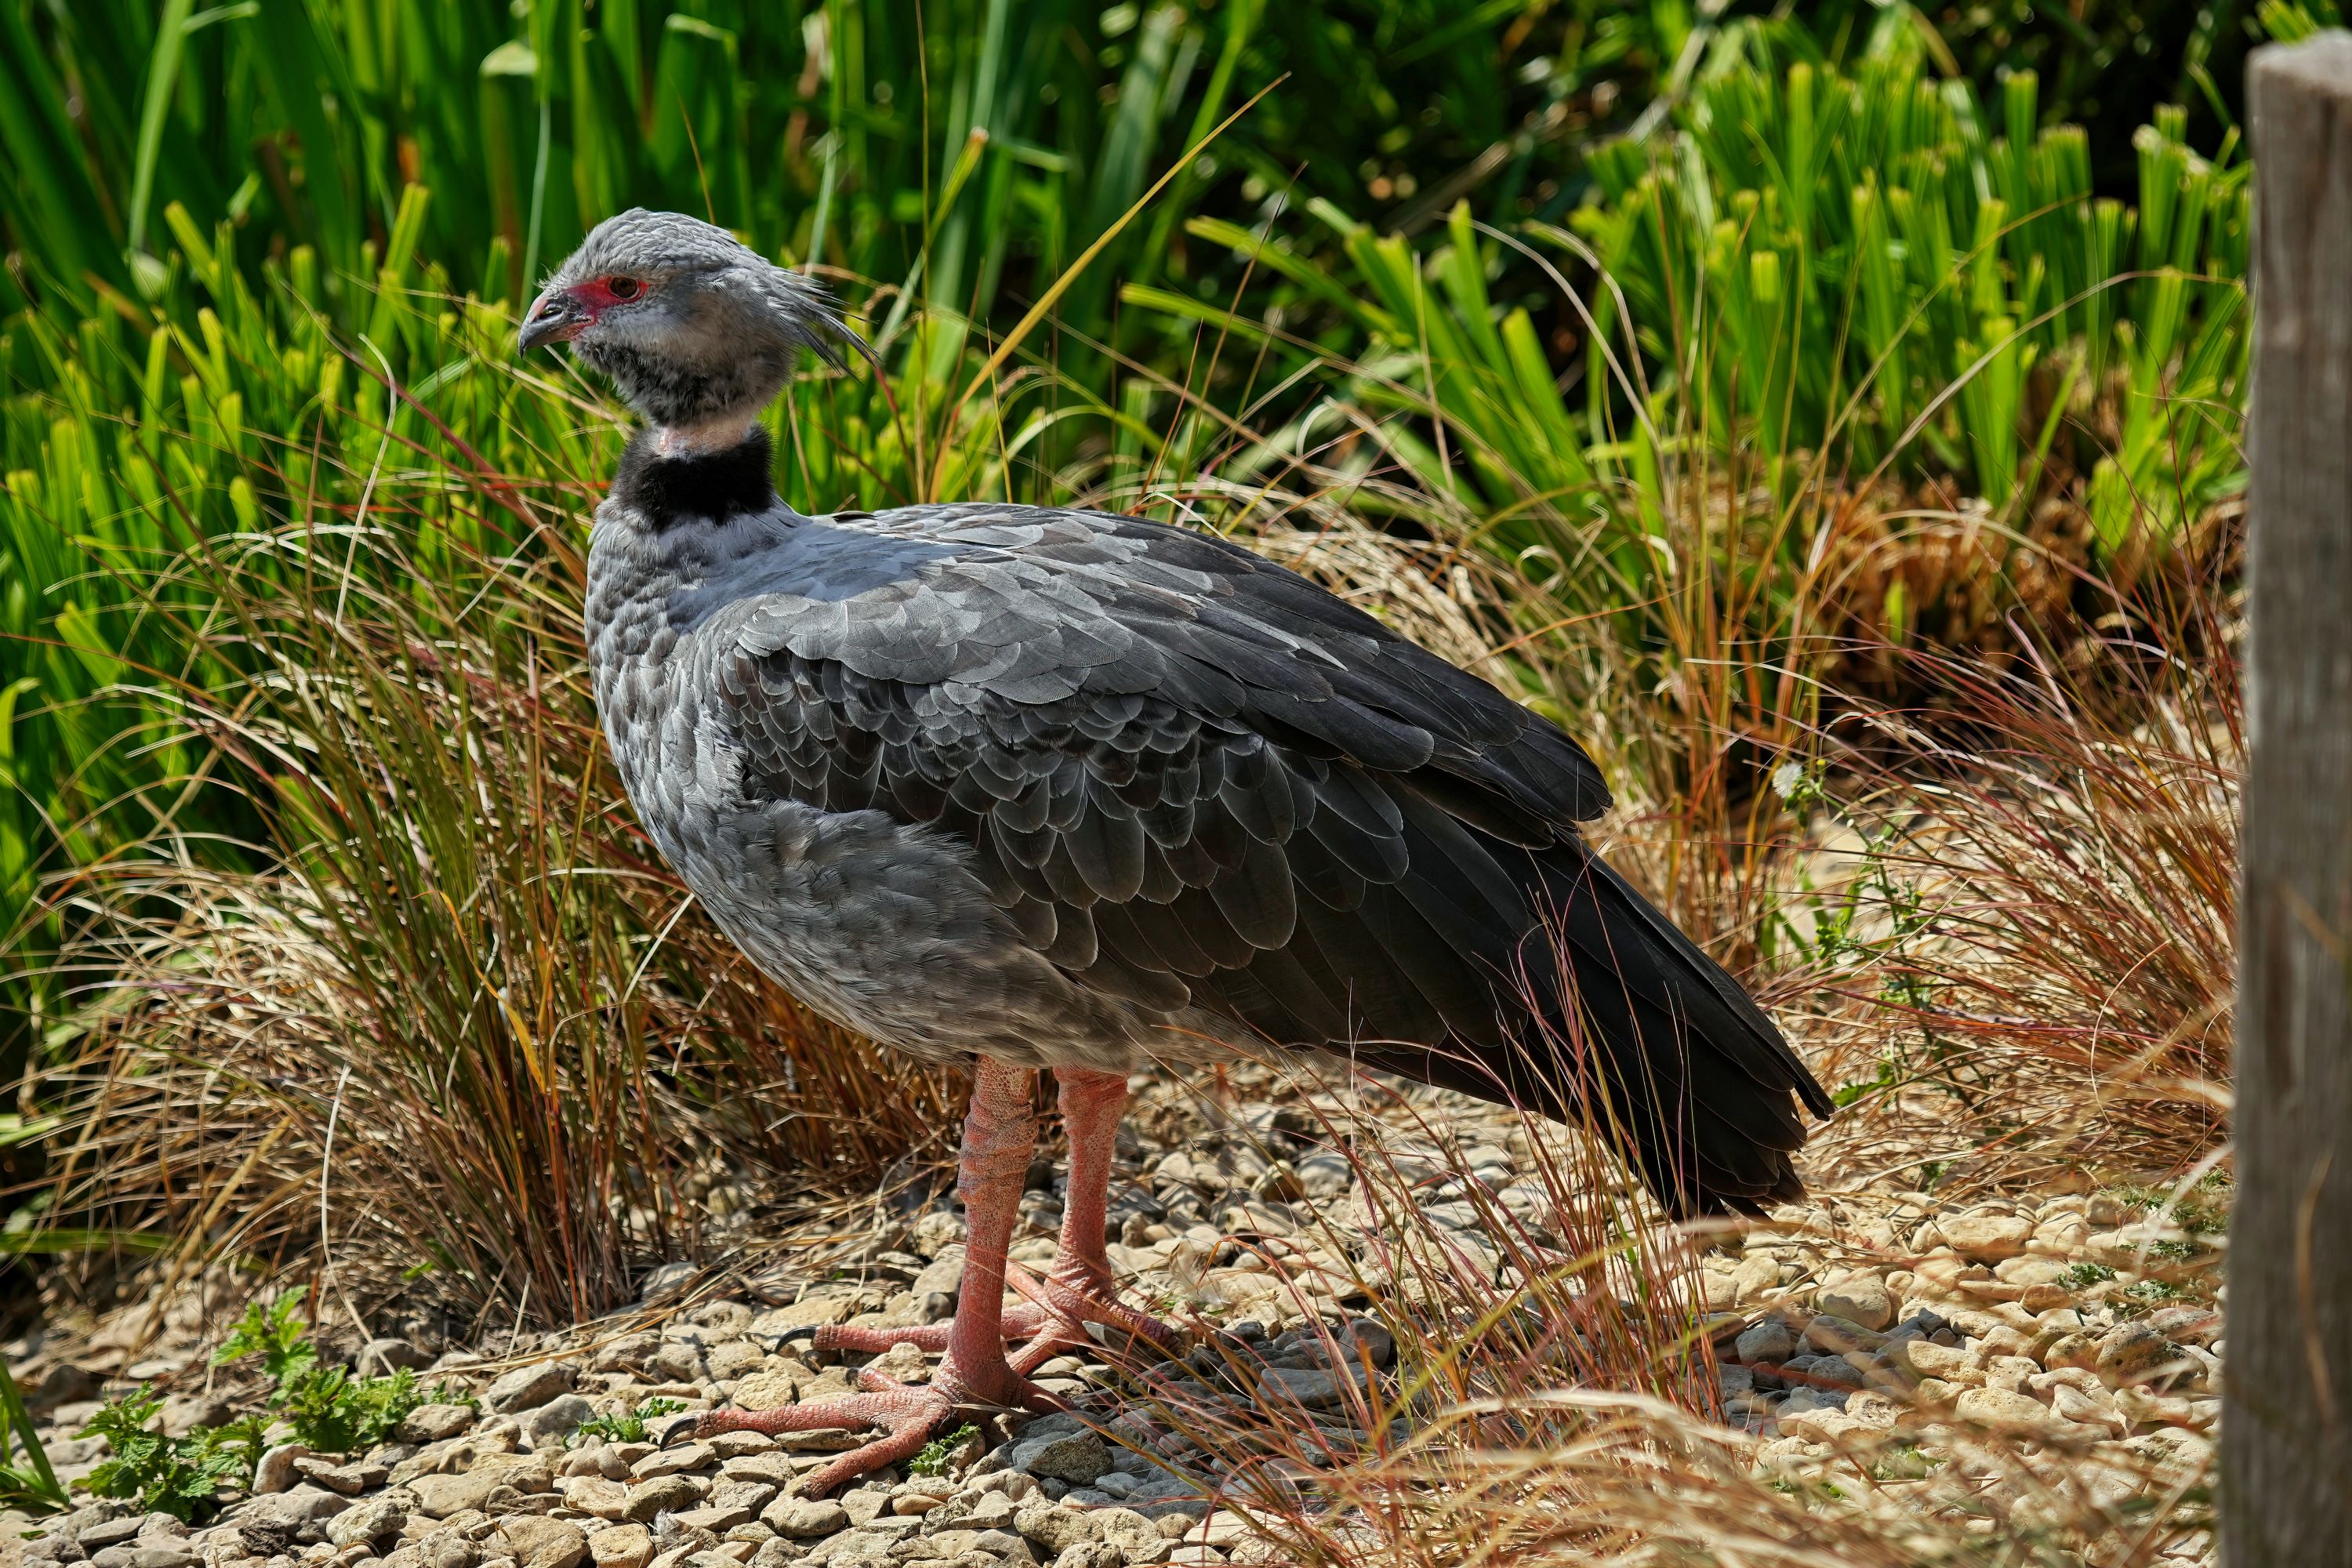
[(992, 777)]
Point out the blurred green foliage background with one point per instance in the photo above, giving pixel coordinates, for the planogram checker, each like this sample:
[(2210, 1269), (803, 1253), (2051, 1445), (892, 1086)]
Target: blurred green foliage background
[(261, 259)]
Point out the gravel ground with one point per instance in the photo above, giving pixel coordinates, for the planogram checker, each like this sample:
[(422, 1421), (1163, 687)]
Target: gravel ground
[(1856, 1335)]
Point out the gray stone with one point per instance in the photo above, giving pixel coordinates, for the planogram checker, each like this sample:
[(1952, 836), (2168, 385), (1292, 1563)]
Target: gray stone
[(379, 1357), (1863, 1300), (715, 1518), (1314, 1388), (731, 1359), (1986, 1235), (349, 1480), (677, 1360), (1771, 1340), (152, 1551), (558, 1418), (97, 1537), (667, 1280), (1822, 1371), (447, 1549), (943, 1276), (671, 1461), (537, 1542), (1163, 1486), (183, 1412), (803, 1519), (527, 1387), (438, 1497), (649, 1500), (1077, 1458), (1835, 1336), (1372, 1342), (856, 1548), (435, 1422), (1050, 1528), (371, 1520), (1806, 1399), (623, 1546), (626, 1353), (71, 1526), (276, 1473), (1138, 1539)]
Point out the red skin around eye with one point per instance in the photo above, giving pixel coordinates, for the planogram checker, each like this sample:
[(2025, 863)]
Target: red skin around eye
[(596, 294)]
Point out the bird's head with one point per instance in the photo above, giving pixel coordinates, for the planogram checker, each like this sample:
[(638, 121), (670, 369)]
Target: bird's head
[(696, 329)]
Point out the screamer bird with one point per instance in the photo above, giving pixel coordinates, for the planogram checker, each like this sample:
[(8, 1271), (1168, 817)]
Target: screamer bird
[(1028, 788)]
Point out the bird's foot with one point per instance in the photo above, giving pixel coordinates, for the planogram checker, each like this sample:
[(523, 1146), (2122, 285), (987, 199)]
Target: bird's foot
[(1059, 1307), (910, 1414), (1052, 1318)]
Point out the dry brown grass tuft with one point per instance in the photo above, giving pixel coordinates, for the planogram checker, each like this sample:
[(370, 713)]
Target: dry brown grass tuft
[(469, 977), (2039, 875)]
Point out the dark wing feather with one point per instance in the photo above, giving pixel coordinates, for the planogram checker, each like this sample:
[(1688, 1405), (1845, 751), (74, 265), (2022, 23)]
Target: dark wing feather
[(1194, 779)]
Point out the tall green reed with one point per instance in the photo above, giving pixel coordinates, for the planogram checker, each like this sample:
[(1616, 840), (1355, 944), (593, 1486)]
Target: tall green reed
[(969, 147)]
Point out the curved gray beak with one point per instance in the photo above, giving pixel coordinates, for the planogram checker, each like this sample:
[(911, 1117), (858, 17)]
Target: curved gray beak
[(555, 317)]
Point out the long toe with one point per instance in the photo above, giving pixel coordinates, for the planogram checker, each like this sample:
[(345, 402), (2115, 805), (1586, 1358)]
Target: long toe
[(1019, 1323), (867, 1340), (908, 1414), (1071, 1303)]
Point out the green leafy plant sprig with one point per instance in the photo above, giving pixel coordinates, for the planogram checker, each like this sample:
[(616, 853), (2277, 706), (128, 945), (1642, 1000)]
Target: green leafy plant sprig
[(178, 1476), (626, 1427), (328, 1408)]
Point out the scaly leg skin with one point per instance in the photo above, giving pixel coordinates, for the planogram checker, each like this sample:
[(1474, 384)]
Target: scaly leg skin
[(999, 1132), (1077, 1289)]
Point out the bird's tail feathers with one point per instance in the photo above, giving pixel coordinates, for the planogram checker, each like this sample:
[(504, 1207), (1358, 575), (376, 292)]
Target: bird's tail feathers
[(1627, 1029)]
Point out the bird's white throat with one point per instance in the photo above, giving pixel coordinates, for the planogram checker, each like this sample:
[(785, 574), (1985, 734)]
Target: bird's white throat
[(701, 440)]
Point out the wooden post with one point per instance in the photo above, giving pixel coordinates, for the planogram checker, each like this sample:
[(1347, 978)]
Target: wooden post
[(2286, 1448)]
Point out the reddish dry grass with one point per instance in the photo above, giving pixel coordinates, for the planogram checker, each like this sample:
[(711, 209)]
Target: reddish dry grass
[(2059, 847)]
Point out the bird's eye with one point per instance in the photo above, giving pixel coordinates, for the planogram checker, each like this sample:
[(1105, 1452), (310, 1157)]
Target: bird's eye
[(624, 288)]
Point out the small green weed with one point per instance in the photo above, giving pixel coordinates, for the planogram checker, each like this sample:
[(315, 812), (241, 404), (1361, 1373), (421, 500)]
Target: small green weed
[(934, 1457), (1906, 1462), (336, 1412), (233, 1451), (2147, 1296), (331, 1410), (177, 1475), (2082, 1276), (627, 1426), (274, 1333)]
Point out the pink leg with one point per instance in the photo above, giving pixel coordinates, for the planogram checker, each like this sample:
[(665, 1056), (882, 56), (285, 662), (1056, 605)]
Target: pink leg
[(1077, 1289), (999, 1133)]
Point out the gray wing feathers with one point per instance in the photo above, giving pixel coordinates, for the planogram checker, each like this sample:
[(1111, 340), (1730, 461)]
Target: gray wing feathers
[(1160, 747)]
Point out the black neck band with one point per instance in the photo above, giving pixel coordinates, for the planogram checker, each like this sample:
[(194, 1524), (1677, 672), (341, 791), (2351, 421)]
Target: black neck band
[(709, 487)]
